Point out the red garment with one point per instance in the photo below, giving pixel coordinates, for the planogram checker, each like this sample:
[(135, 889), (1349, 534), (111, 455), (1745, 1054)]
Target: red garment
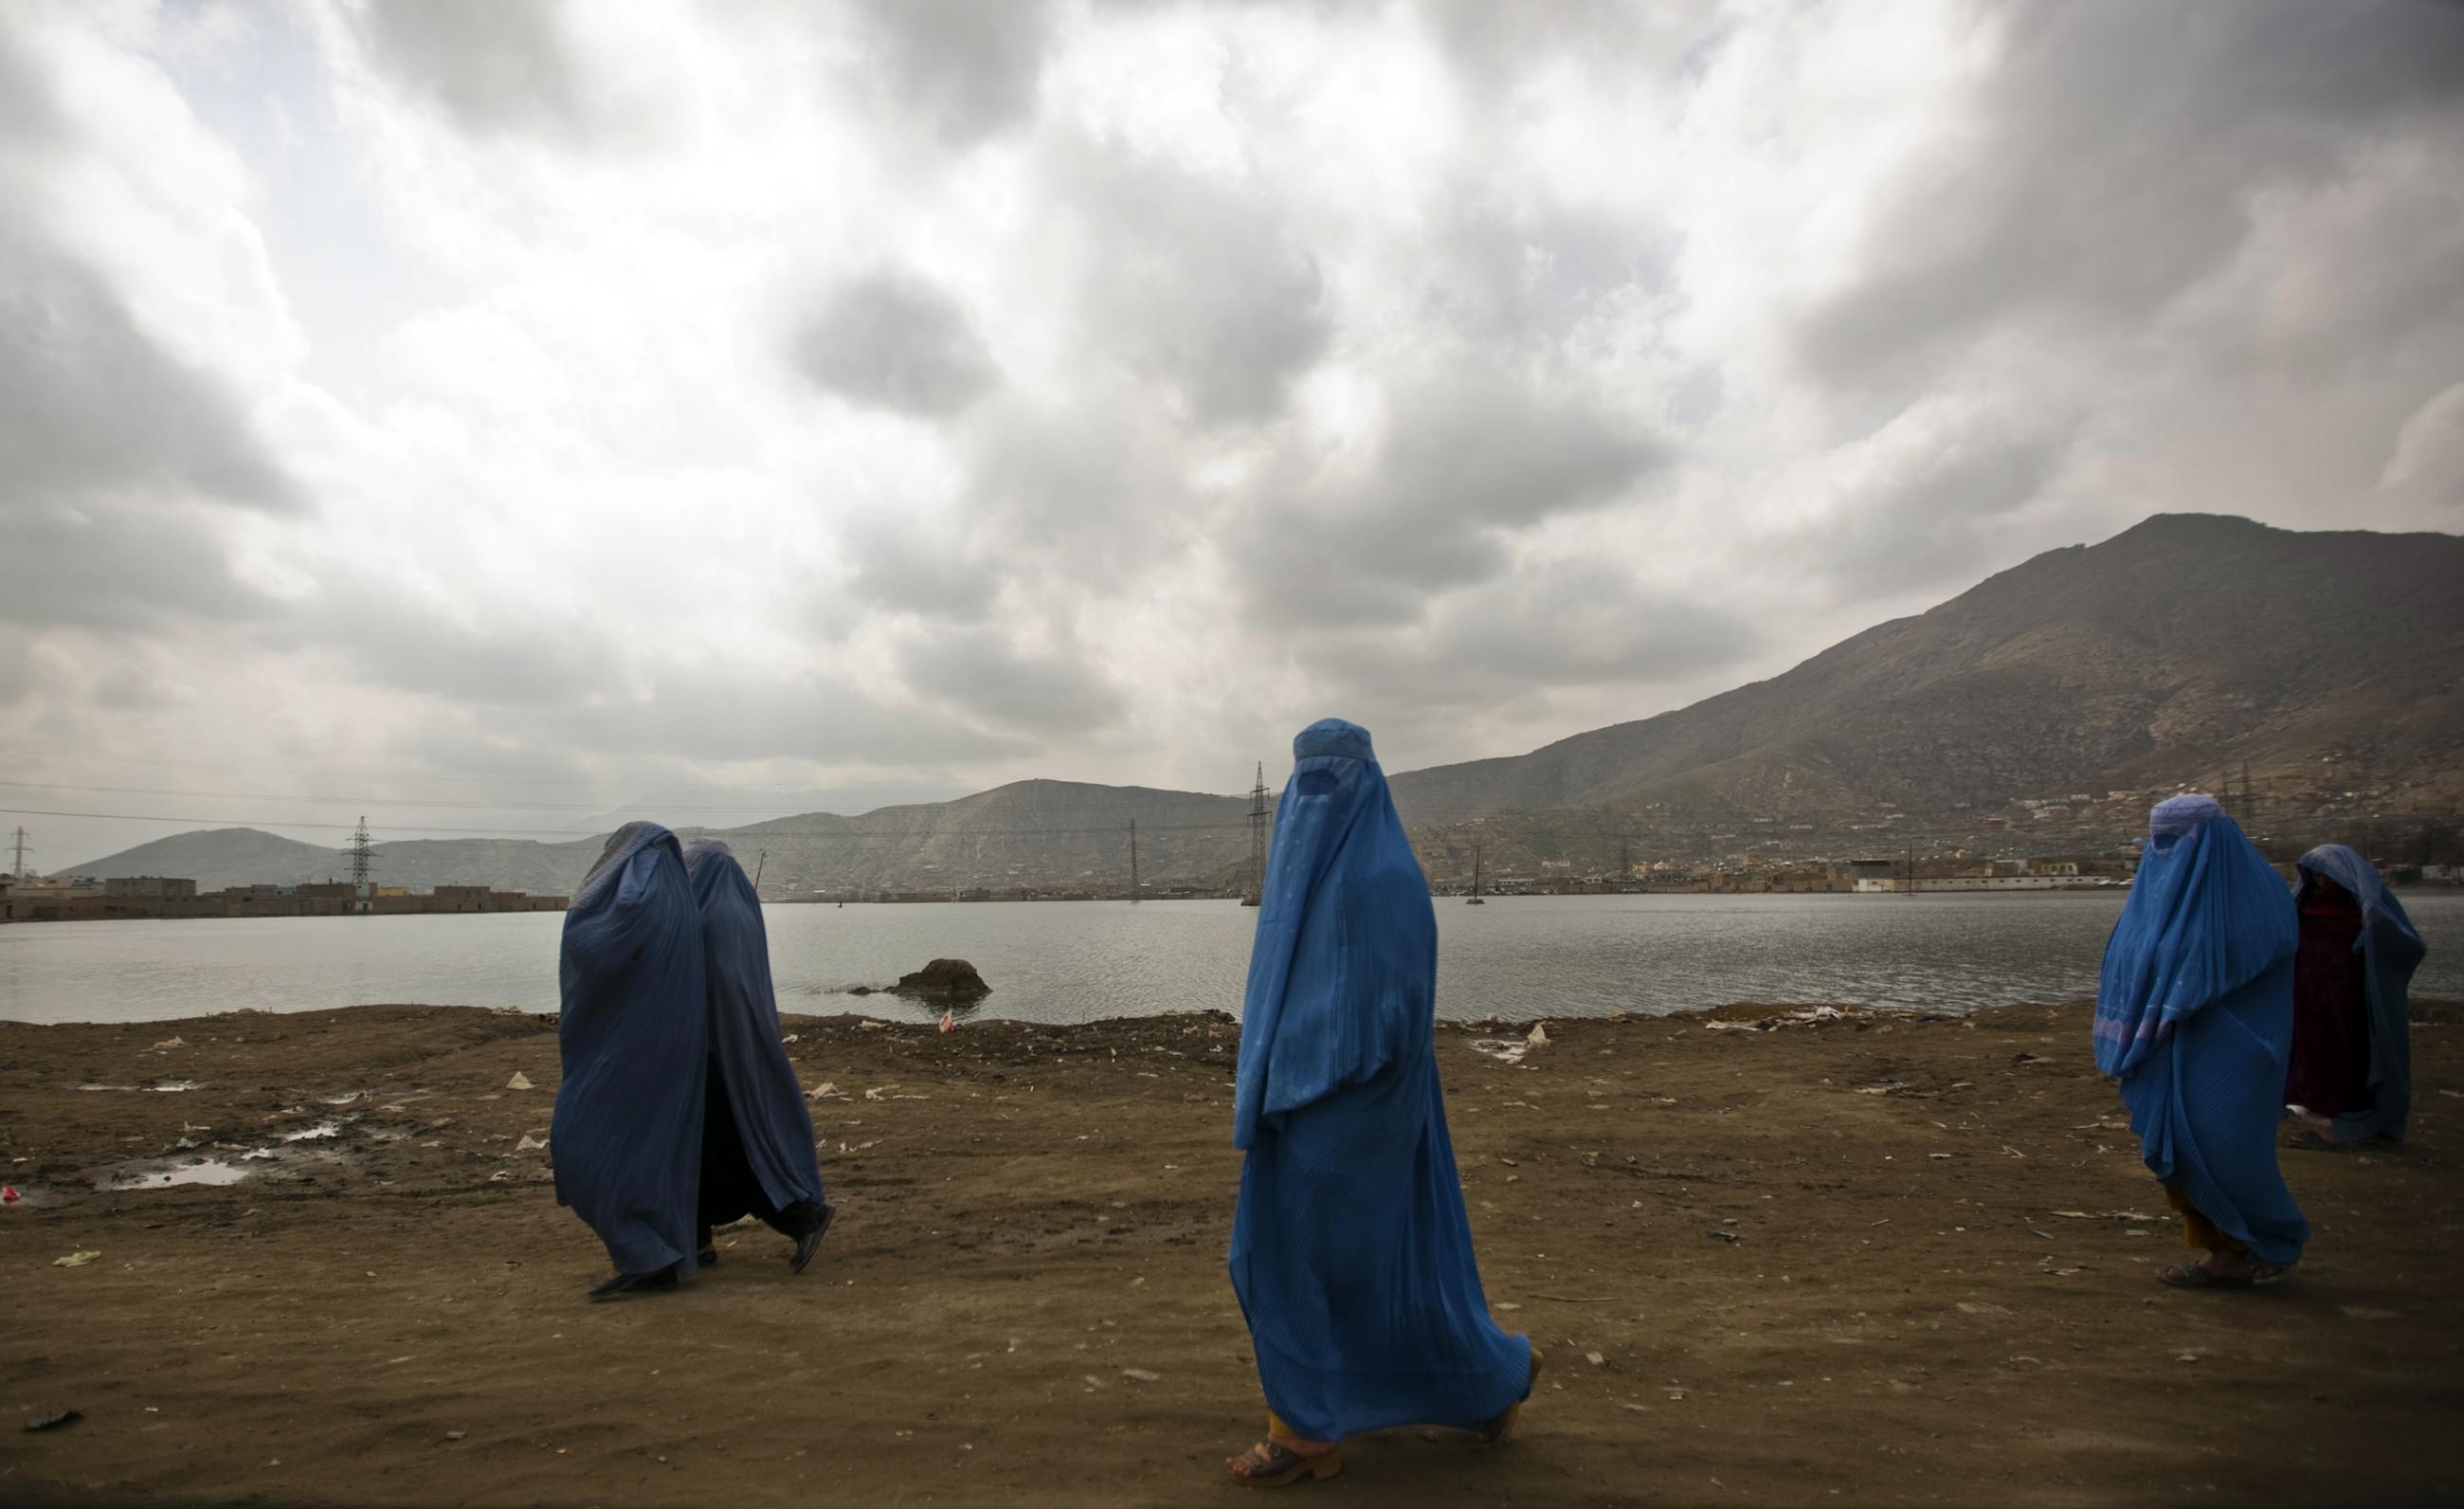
[(2330, 1070)]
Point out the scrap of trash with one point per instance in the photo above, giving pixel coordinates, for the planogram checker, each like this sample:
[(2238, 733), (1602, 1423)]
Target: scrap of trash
[(1513, 1050), (1808, 1016)]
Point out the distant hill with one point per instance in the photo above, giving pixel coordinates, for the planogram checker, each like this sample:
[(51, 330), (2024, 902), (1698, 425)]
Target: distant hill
[(217, 857), (2171, 652), (2180, 651), (1030, 833)]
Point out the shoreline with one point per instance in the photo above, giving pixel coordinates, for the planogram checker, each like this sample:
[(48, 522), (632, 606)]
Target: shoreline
[(971, 1015), (1859, 1255)]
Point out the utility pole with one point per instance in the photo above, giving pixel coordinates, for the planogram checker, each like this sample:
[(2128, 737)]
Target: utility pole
[(2249, 800), (1912, 867), (18, 867), (362, 857), (1257, 837), (760, 859), (1475, 877), (1625, 861), (1134, 861)]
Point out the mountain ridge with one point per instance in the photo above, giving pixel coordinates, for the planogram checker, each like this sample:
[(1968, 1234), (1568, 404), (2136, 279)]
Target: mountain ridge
[(2185, 647), (2072, 651)]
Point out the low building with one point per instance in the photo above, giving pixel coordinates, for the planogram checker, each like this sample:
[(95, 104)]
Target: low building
[(148, 887)]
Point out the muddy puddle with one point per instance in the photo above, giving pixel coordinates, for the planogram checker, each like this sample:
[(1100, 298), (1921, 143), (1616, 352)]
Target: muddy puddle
[(193, 1171), (282, 1156), (159, 1087)]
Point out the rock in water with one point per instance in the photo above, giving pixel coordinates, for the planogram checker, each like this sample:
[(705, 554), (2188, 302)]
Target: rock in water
[(944, 977)]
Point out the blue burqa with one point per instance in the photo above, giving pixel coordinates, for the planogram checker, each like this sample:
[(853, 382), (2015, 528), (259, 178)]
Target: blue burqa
[(1351, 1251), (2390, 951), (2194, 1016), (757, 1147), (626, 1139)]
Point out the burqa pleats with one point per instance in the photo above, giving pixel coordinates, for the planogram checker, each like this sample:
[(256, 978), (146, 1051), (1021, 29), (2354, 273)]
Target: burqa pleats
[(2389, 951), (2194, 1017), (1351, 1253), (627, 1135), (757, 1155)]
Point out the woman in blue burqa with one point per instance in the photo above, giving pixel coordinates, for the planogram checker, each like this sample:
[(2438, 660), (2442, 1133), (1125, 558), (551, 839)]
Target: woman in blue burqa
[(2194, 1016), (626, 1139), (1351, 1251), (2351, 1075), (756, 1139)]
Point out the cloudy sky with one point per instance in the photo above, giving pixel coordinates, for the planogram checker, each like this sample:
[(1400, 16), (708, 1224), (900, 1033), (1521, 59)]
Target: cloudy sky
[(481, 414)]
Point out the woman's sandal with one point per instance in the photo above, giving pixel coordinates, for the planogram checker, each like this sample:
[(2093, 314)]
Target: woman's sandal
[(1497, 1430), (2199, 1276), (1275, 1464)]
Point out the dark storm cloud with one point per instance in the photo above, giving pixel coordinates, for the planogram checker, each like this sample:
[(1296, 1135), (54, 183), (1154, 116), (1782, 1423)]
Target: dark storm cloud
[(909, 567), (1493, 46), (114, 457), (1561, 623), (720, 711), (16, 668), (493, 65), (91, 408), (966, 68), (1513, 273), (1196, 282), (132, 568), (977, 672), (29, 110), (1088, 491), (890, 339), (1588, 622), (1938, 511), (2115, 162), (393, 641), (1463, 465)]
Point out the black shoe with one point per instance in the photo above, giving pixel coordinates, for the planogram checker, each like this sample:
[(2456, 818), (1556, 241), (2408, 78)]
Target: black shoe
[(706, 1250), (622, 1284), (810, 1242)]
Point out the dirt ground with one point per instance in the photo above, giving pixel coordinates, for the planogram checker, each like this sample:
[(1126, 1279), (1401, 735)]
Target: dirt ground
[(1876, 1261)]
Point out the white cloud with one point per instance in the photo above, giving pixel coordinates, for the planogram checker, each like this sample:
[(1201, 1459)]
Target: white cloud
[(661, 392)]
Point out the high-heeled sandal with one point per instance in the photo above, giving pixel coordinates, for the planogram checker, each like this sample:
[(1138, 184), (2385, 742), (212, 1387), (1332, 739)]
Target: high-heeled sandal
[(1275, 1464)]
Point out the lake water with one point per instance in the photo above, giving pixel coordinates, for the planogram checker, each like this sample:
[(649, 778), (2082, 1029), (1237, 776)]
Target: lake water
[(1070, 962)]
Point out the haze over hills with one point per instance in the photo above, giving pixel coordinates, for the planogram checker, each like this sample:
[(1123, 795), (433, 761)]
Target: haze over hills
[(2182, 649)]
